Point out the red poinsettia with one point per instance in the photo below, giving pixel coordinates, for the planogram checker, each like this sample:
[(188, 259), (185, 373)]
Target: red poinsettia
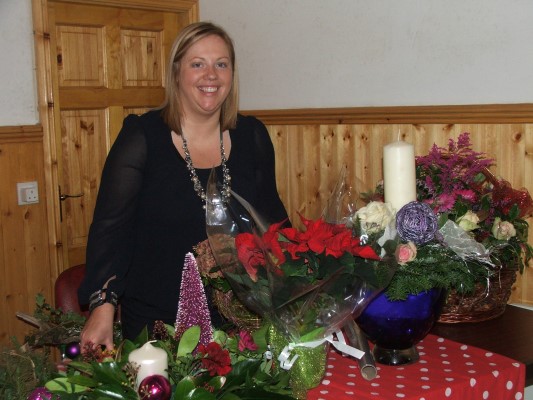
[(319, 238), (216, 360)]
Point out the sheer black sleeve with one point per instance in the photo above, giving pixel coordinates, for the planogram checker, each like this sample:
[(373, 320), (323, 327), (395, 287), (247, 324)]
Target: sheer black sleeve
[(109, 243), (269, 202)]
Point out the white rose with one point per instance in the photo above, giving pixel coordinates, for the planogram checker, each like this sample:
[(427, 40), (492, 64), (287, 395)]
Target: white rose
[(469, 221), (375, 216), (503, 230)]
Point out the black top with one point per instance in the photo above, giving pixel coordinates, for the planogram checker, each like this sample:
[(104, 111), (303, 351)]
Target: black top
[(148, 216)]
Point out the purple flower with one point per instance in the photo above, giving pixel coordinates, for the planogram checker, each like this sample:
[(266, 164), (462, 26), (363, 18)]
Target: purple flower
[(416, 222)]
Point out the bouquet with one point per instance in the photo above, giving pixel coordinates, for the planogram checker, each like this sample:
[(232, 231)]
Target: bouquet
[(306, 284), (465, 228)]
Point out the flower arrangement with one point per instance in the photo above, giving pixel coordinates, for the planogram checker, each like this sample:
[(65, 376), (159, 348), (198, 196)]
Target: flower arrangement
[(187, 360), (231, 363), (465, 227), (307, 284)]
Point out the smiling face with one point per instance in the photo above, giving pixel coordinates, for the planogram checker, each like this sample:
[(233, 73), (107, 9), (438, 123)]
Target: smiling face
[(205, 77)]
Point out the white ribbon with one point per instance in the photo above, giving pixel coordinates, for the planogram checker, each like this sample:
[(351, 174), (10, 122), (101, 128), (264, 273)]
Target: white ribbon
[(340, 344)]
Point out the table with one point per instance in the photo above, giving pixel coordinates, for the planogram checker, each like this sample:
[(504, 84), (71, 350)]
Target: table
[(446, 370), (510, 335)]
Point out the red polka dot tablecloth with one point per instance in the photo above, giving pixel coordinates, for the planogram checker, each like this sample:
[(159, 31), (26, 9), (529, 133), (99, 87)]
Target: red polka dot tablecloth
[(446, 370)]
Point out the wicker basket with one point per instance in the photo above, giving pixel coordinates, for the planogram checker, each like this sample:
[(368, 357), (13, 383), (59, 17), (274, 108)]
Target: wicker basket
[(483, 304), (234, 311)]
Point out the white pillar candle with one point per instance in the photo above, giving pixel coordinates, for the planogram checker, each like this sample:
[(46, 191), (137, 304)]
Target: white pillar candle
[(399, 174), (152, 361)]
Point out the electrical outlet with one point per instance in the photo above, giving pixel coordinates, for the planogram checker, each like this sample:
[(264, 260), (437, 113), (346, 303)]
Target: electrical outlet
[(27, 193)]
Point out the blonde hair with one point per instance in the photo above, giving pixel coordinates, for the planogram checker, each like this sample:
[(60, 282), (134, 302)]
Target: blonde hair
[(172, 111)]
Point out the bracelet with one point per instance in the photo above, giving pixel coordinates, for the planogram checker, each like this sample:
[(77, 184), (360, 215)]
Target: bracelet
[(97, 299)]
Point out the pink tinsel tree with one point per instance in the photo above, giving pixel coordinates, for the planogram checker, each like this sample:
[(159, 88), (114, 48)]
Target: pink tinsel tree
[(192, 305)]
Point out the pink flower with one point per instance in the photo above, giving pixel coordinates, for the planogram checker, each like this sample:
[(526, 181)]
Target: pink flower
[(444, 202), (246, 342), (405, 253), (467, 194)]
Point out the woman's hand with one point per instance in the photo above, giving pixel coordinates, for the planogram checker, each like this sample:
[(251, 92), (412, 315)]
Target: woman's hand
[(98, 329)]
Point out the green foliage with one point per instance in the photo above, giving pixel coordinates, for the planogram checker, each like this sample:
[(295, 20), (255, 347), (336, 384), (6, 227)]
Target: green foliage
[(435, 266), (22, 369)]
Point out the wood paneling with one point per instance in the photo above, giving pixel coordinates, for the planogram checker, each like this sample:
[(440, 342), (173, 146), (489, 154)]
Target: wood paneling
[(309, 157), (452, 114), (24, 252)]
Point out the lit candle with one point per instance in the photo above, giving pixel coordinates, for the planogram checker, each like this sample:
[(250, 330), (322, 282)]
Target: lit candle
[(399, 175), (152, 361)]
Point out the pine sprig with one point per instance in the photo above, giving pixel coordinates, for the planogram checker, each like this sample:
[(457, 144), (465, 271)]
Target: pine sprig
[(435, 267), (22, 369)]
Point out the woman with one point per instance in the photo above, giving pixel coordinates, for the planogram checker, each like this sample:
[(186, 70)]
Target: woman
[(150, 207)]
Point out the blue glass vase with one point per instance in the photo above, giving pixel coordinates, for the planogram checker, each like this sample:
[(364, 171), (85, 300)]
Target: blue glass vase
[(395, 327)]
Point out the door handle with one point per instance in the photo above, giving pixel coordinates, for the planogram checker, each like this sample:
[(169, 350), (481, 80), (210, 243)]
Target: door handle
[(63, 197)]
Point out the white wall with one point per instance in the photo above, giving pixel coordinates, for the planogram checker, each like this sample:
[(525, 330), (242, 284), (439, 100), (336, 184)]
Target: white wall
[(18, 90), (337, 53), (342, 53)]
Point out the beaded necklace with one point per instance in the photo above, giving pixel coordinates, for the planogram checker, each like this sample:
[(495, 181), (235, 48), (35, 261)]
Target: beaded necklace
[(226, 178)]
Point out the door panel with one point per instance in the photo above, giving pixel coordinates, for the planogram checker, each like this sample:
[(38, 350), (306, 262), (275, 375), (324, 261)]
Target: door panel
[(84, 147), (107, 62), (80, 50)]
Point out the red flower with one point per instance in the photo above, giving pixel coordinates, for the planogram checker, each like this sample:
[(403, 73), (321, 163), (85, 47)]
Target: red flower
[(272, 243), (249, 254), (246, 341), (217, 360), (339, 244), (364, 252)]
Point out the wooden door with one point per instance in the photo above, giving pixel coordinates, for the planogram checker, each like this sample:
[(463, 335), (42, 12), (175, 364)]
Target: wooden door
[(107, 61)]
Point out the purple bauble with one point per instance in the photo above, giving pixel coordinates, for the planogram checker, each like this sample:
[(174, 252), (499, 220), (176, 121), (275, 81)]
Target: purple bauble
[(40, 393), (416, 222), (155, 387), (72, 350)]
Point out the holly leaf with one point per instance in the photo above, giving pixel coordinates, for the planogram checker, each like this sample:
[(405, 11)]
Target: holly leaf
[(183, 388), (81, 366), (189, 340), (83, 380), (199, 394), (63, 384), (109, 372), (116, 391)]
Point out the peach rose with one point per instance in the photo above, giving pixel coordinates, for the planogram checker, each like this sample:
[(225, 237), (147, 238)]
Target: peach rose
[(405, 253)]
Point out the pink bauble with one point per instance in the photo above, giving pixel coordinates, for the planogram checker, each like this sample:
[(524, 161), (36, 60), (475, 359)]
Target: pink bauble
[(40, 393), (72, 350), (155, 387)]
